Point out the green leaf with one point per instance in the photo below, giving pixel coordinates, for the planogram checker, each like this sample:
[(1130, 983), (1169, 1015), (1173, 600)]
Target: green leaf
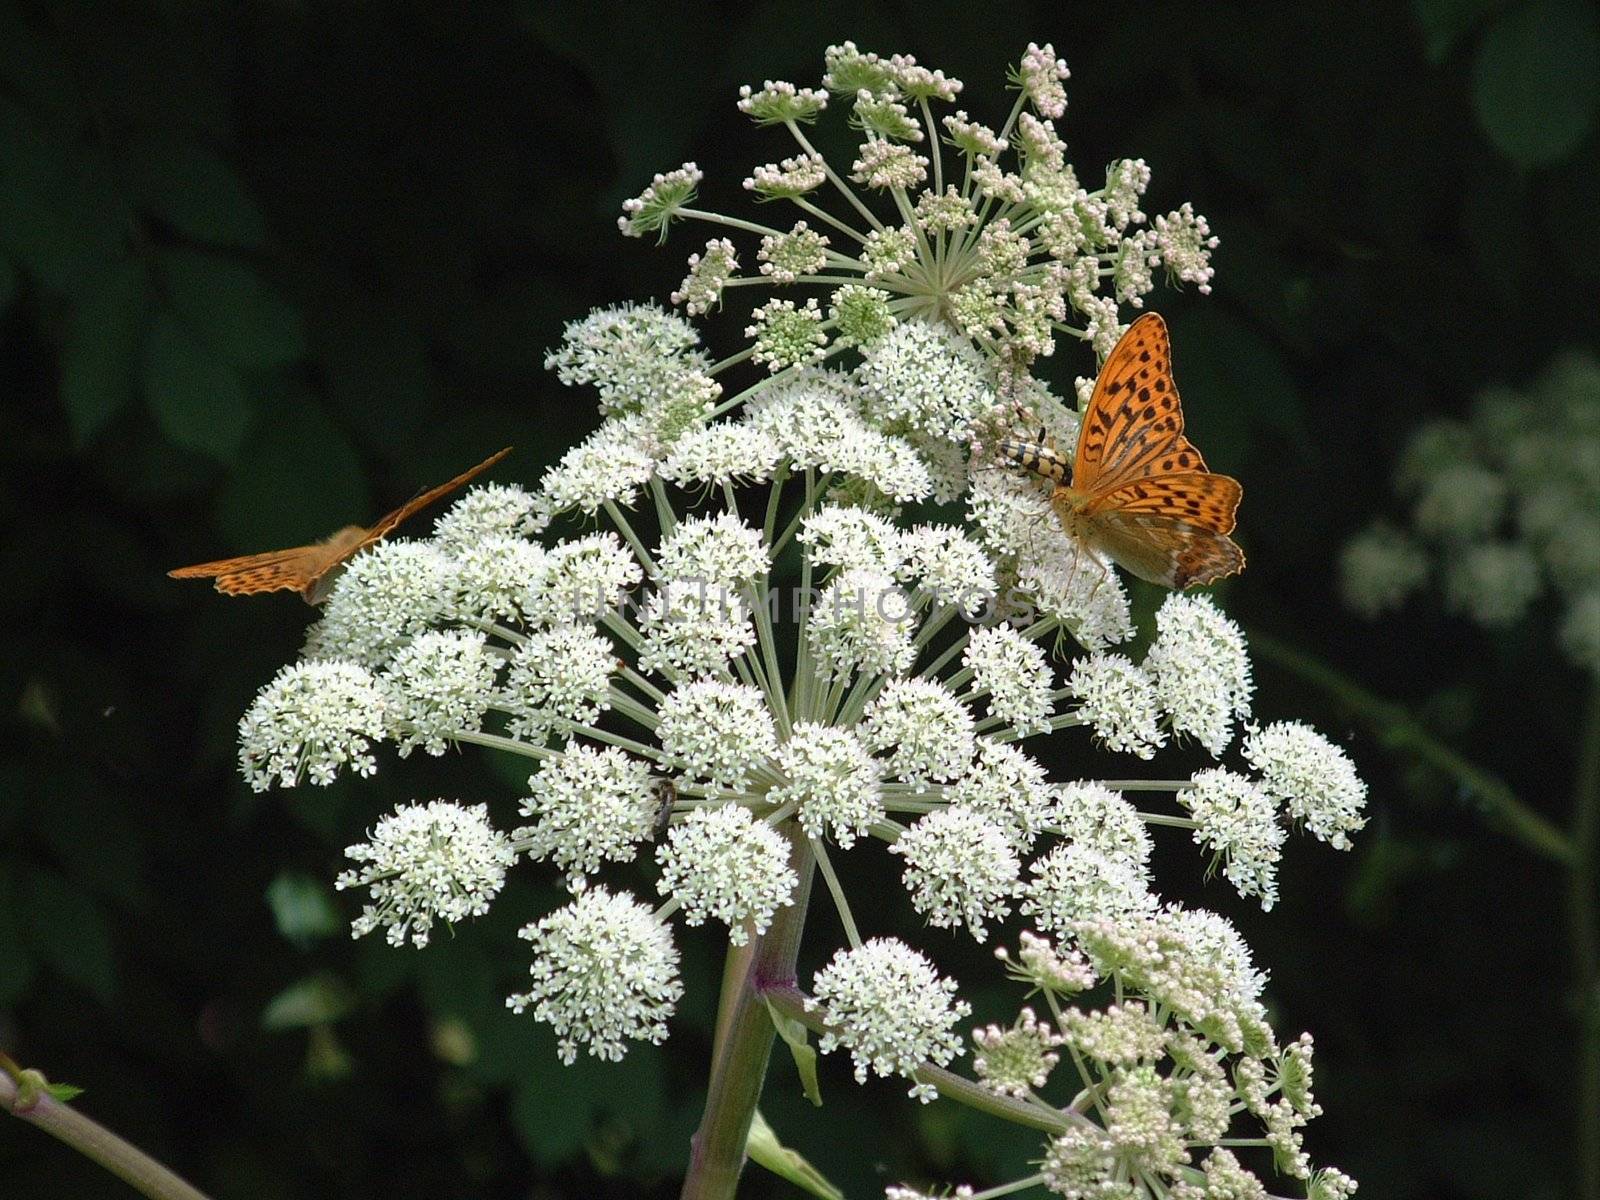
[(64, 1092), (316, 1000), (764, 1147), (102, 348), (326, 1057), (231, 309), (198, 194), (557, 1109), (797, 1038), (1536, 80), (61, 215), (550, 1123), (63, 926), (303, 908), (198, 400), (1446, 22)]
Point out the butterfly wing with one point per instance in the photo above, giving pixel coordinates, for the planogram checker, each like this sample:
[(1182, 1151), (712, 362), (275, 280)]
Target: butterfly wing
[(310, 570), (1201, 498), (1134, 423), (416, 504), (1169, 529), (1140, 491), (274, 571), (316, 591)]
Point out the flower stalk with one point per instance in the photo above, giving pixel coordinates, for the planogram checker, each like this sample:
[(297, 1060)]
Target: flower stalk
[(743, 1045), (27, 1100)]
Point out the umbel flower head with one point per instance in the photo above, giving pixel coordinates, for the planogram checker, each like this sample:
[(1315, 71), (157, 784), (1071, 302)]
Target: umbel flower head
[(993, 233), (439, 861), (733, 638)]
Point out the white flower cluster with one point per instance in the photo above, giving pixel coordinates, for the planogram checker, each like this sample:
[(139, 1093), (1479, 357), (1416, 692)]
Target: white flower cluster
[(1018, 252), (885, 1003), (1178, 1067), (759, 663), (311, 720), (1196, 675), (723, 863), (440, 861), (605, 972), (1505, 510), (1195, 680)]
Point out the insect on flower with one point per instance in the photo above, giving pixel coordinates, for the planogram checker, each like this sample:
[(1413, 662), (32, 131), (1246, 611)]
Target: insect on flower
[(666, 797), (311, 570), (1140, 492)]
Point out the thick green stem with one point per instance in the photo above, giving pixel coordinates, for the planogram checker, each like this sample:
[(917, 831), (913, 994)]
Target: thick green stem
[(1398, 730), (1584, 918), (735, 971), (744, 1041), (94, 1141)]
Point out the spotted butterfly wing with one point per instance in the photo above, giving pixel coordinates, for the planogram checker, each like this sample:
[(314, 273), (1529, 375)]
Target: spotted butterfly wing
[(1141, 493), (1134, 424), (311, 570), (1172, 530), (276, 570)]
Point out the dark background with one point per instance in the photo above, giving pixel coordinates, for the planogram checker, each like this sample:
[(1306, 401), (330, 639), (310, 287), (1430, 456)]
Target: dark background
[(268, 268)]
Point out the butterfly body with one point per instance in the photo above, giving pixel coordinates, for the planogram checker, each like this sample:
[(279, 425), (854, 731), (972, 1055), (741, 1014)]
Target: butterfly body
[(1139, 492), (311, 570)]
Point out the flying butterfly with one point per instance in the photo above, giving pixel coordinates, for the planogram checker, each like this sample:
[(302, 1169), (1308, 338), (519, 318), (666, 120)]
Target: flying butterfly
[(1140, 493), (311, 570)]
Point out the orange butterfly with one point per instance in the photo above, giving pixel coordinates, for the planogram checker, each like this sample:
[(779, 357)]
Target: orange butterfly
[(1140, 492), (311, 570)]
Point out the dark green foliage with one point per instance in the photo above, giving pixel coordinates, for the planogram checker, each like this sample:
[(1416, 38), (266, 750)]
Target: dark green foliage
[(266, 269), (1536, 81)]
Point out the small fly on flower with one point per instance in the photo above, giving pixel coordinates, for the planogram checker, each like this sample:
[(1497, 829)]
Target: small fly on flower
[(666, 797)]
